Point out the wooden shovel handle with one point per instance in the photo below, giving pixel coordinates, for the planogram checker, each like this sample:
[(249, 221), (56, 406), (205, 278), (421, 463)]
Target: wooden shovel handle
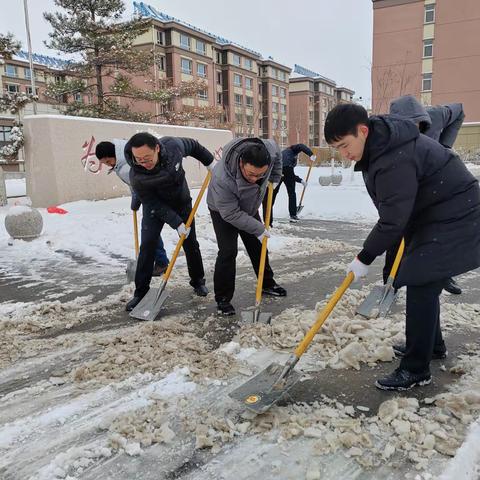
[(263, 254), (398, 259), (323, 315), (135, 232), (306, 180), (166, 275)]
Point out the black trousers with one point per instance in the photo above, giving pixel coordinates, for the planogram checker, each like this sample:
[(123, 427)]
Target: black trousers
[(423, 330), (151, 230), (225, 265)]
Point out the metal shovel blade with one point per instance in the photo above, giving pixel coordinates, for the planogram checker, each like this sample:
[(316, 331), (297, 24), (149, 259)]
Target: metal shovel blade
[(299, 209), (149, 307), (131, 269), (257, 393), (256, 317), (378, 302)]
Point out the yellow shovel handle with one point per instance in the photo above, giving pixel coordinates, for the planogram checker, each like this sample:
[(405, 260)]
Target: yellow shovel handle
[(263, 254), (135, 232), (323, 315), (166, 275), (398, 259), (306, 180)]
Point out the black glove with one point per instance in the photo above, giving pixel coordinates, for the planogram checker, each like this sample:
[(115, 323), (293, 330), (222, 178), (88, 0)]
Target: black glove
[(135, 203)]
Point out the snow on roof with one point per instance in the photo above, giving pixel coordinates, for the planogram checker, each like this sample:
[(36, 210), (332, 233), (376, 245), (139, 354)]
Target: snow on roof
[(305, 72), (50, 62), (146, 10)]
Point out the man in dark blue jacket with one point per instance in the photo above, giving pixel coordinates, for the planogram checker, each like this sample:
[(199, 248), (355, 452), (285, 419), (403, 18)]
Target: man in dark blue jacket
[(289, 162), (423, 192), (158, 179), (440, 122)]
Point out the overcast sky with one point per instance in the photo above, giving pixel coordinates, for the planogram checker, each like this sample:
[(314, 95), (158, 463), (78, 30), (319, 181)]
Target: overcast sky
[(330, 37)]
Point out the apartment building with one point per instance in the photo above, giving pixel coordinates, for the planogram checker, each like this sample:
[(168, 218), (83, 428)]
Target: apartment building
[(427, 48), (312, 96)]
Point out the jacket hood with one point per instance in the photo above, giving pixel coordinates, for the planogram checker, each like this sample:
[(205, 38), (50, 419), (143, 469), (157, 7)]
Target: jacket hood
[(119, 153), (386, 132), (410, 108)]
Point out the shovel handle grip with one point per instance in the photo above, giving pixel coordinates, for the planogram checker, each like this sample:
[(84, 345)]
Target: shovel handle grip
[(398, 259), (135, 233), (323, 315), (263, 254), (168, 272)]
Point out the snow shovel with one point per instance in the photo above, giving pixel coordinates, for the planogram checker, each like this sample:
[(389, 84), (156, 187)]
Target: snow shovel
[(267, 387), (150, 305), (300, 206), (256, 316), (381, 298), (132, 264)]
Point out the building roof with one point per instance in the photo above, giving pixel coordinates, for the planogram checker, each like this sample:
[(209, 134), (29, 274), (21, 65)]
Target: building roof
[(50, 62), (305, 72)]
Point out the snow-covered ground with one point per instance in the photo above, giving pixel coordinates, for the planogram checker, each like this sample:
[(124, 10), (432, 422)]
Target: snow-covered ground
[(145, 400)]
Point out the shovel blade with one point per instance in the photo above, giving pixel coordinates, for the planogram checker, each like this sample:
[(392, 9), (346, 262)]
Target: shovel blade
[(149, 307), (378, 302), (131, 269), (257, 393), (254, 317), (299, 209)]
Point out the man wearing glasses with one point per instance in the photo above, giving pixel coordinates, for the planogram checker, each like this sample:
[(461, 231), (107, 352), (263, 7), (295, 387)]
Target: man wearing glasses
[(158, 179), (235, 193)]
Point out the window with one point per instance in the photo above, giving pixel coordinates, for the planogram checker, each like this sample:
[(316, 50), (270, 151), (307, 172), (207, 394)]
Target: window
[(274, 91), (5, 133), (248, 64), (238, 99), (284, 124), (219, 78), (203, 94), (161, 62), (428, 47), (275, 124), (283, 92), (11, 70), (29, 90), (429, 13), (249, 119), (219, 98), (201, 70), (260, 89), (260, 123), (201, 47), (275, 107), (236, 59), (283, 108), (219, 57), (282, 75), (310, 100), (239, 118), (249, 101), (185, 41), (186, 66), (310, 116), (249, 83), (237, 80), (28, 73), (160, 37), (310, 130), (78, 97), (11, 88), (426, 82)]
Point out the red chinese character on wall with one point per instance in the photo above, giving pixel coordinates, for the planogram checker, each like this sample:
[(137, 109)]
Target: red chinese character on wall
[(89, 161)]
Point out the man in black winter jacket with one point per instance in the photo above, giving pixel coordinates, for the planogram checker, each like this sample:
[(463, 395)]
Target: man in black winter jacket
[(440, 122), (423, 192), (158, 179), (289, 162)]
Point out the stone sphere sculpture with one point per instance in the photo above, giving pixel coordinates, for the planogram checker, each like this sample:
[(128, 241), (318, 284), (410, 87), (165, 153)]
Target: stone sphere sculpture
[(336, 179), (25, 223), (325, 180)]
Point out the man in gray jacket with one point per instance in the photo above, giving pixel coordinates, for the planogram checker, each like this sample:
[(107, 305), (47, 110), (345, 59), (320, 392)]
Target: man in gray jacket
[(441, 123), (112, 154), (238, 186)]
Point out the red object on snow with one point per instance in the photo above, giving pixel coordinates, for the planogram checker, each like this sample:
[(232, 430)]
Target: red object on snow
[(59, 210)]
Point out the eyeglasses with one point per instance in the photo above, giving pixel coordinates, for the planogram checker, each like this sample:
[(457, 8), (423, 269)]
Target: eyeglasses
[(144, 160)]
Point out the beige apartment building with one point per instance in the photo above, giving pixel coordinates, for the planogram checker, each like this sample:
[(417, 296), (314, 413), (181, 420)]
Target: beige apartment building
[(427, 48)]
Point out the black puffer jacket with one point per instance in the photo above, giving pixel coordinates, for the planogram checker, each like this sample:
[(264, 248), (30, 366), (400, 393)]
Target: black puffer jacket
[(163, 191), (424, 192), (290, 154)]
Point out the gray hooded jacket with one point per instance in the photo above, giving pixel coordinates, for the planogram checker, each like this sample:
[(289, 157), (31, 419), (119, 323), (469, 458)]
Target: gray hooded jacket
[(121, 168), (232, 196), (444, 121)]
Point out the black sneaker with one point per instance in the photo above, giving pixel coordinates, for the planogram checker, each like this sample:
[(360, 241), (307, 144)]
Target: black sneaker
[(451, 286), (294, 219), (402, 379), (132, 303), (159, 270), (399, 351), (275, 291), (225, 308), (201, 290)]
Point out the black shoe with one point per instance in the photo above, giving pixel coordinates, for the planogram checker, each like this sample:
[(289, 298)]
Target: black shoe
[(402, 379), (294, 219), (225, 308), (201, 290), (275, 291), (451, 286), (159, 270), (399, 351), (132, 303)]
